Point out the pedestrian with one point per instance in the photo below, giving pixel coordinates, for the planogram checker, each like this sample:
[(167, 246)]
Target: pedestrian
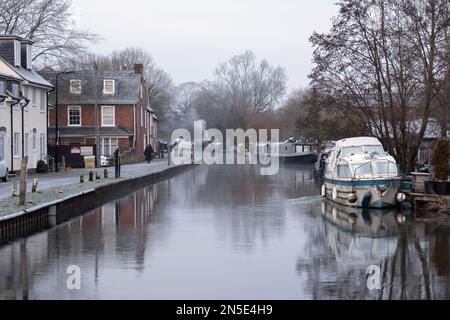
[(148, 153)]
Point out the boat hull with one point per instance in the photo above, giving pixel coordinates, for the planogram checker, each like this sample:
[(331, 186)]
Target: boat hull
[(309, 158), (376, 194)]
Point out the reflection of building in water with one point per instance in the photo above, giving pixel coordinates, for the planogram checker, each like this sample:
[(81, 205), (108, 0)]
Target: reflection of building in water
[(348, 242), (115, 232)]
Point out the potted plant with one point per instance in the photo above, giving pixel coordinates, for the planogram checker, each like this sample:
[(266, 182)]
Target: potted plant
[(439, 160)]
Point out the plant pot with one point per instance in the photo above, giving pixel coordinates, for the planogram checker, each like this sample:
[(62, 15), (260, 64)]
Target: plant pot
[(442, 188), (430, 187)]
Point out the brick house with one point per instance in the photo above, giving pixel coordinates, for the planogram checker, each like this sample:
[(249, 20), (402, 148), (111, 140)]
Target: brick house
[(122, 110)]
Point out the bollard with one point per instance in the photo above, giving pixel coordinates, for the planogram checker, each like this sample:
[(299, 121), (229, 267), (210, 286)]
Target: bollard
[(34, 186), (81, 178), (14, 189), (97, 176), (23, 182), (91, 176), (105, 173)]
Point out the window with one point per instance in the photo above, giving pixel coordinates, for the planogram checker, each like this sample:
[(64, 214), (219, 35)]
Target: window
[(363, 170), (15, 90), (26, 146), (42, 145), (386, 168), (29, 57), (74, 116), (17, 53), (352, 150), (16, 144), (2, 92), (2, 145), (34, 140), (109, 146), (344, 171), (34, 93), (108, 116), (43, 102), (142, 117), (75, 86), (109, 86), (374, 149)]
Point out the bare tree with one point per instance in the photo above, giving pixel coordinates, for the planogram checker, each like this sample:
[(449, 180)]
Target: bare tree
[(387, 72), (50, 24), (242, 88)]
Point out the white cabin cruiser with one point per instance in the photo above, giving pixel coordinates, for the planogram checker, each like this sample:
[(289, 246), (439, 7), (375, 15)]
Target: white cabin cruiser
[(360, 173)]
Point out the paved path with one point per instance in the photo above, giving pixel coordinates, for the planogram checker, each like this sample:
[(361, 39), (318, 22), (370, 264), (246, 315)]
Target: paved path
[(52, 180)]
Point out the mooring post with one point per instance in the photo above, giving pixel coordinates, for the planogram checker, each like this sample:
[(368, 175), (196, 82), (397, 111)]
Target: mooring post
[(23, 182), (34, 187)]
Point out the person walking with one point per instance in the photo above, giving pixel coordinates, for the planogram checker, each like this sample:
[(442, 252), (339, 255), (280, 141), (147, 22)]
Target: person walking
[(148, 153)]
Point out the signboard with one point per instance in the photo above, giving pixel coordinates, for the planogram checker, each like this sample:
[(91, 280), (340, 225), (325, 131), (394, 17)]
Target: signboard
[(87, 151), (76, 150)]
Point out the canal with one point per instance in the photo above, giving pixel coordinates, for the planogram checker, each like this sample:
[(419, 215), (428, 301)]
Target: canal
[(225, 232)]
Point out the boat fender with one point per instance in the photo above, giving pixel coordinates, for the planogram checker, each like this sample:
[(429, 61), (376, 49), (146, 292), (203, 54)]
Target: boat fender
[(353, 198), (366, 199), (324, 191), (401, 197), (335, 194)]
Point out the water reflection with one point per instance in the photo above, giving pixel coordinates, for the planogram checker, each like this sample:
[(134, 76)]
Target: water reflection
[(227, 233)]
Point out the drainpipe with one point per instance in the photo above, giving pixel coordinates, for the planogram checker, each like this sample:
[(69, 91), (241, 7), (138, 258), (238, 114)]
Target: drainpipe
[(47, 118), (135, 127), (27, 102)]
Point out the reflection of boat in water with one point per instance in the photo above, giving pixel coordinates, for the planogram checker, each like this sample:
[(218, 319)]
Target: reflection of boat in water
[(359, 172), (363, 222)]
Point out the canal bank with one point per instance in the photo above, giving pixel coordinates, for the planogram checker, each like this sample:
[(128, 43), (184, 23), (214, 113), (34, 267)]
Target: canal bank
[(56, 205)]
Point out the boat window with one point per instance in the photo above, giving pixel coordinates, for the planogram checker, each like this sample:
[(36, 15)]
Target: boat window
[(386, 168), (343, 171), (374, 149), (363, 170), (351, 150)]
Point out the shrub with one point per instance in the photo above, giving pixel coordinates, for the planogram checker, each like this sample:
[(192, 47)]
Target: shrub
[(42, 167), (439, 159)]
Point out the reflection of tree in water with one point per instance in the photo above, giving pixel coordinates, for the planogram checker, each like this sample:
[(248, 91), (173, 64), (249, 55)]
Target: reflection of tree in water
[(414, 266)]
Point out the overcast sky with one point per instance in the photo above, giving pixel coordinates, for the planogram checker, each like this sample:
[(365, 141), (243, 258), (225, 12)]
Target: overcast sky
[(189, 38)]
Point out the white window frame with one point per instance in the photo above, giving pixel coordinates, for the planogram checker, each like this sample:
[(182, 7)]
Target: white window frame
[(34, 142), (43, 103), (16, 145), (3, 150), (113, 86), (2, 91), (114, 116), (26, 147), (69, 108), (15, 85), (42, 145), (111, 149), (34, 93), (72, 86), (17, 53), (29, 57)]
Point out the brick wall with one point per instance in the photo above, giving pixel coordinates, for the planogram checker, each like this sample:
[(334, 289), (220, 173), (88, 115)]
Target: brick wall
[(124, 116)]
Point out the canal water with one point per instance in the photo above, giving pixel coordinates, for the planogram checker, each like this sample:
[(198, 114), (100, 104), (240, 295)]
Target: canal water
[(225, 232)]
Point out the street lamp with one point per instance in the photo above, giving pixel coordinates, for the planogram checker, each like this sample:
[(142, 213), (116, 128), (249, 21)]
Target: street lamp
[(57, 117)]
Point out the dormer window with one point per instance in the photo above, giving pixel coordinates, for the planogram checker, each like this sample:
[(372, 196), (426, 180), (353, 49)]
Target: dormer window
[(15, 90), (109, 86), (29, 57), (17, 53), (75, 86)]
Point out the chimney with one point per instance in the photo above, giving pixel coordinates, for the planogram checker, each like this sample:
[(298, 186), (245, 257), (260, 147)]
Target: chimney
[(139, 68), (123, 67)]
